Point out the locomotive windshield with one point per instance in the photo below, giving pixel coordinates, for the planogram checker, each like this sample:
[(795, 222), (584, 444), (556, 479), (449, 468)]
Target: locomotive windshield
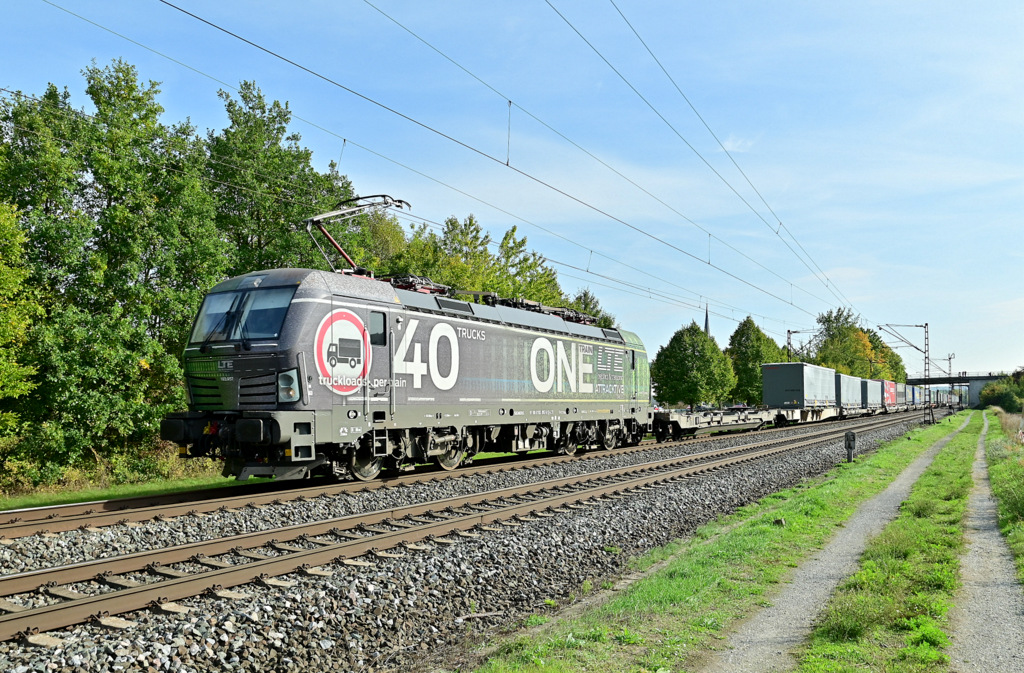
[(242, 315)]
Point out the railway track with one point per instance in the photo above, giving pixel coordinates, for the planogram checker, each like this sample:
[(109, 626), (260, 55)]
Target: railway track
[(97, 514), (48, 599)]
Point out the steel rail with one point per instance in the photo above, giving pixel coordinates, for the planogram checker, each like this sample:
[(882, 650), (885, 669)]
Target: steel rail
[(96, 514), (90, 518), (540, 497)]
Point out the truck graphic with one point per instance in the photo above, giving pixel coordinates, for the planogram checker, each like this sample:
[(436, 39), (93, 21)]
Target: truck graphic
[(346, 349)]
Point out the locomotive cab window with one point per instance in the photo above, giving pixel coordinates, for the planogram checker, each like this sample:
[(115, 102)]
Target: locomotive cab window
[(378, 326), (242, 315)]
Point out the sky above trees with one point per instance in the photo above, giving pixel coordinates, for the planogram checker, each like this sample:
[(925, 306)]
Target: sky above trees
[(886, 138)]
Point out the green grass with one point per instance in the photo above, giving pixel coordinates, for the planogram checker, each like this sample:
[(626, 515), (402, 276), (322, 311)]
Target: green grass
[(890, 615), (46, 499), (671, 619), (1005, 459)]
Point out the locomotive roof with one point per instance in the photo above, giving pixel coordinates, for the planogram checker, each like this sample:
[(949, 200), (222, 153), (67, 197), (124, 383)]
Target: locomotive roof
[(375, 290), (313, 279)]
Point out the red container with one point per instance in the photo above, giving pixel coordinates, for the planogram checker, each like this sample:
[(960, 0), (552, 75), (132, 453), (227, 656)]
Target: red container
[(888, 393)]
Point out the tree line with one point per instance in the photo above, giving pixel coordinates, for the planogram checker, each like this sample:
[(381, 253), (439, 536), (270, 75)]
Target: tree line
[(113, 225), (691, 369)]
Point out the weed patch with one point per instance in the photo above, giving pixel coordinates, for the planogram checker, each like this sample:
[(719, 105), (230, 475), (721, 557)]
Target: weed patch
[(889, 615), (1005, 457)]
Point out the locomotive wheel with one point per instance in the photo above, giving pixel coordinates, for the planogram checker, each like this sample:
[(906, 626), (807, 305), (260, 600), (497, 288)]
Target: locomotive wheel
[(610, 440), (569, 449), (363, 465), (450, 459)]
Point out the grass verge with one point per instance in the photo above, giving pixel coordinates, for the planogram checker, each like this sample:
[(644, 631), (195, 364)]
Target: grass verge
[(156, 487), (1005, 457), (889, 615), (671, 619)]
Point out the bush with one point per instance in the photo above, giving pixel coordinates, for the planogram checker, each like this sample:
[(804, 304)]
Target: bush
[(1005, 393), (152, 461)]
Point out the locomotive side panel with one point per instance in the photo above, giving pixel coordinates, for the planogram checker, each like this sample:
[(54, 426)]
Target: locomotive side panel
[(356, 373)]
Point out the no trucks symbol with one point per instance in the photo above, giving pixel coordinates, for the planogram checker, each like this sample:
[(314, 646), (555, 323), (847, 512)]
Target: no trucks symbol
[(342, 352)]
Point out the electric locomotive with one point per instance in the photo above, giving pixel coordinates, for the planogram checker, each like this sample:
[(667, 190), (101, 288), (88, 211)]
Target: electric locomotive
[(296, 372)]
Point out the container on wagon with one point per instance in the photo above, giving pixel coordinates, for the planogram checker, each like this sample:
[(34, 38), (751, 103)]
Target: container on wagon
[(798, 385)]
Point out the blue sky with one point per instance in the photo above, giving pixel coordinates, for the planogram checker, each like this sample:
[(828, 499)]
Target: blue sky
[(888, 139)]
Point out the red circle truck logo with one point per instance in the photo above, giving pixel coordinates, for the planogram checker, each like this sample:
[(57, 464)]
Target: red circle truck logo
[(342, 352)]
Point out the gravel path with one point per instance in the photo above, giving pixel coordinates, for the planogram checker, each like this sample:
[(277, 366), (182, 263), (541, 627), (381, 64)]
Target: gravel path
[(988, 619), (763, 643)]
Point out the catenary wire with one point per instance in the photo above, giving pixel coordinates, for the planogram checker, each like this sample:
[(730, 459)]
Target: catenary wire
[(588, 152), (728, 153), (646, 291), (273, 180), (492, 158), (791, 303), (681, 137), (321, 128), (636, 290)]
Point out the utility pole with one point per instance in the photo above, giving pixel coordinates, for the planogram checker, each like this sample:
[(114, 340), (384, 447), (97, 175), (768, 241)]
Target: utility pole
[(929, 415), (929, 412), (949, 358), (789, 340)]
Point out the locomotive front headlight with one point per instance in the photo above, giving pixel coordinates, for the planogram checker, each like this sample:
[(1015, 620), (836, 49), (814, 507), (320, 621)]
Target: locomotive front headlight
[(288, 386)]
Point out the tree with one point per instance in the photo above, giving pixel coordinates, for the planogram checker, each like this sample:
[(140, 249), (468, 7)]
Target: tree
[(834, 342), (850, 349), (1006, 393), (586, 302), (265, 185), (892, 367), (748, 349), (691, 369), (17, 309), (461, 258), (121, 248)]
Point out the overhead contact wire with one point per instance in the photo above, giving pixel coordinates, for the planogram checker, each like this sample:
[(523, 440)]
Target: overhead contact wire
[(362, 147), (586, 151), (683, 139), (733, 160), (485, 155), (229, 86)]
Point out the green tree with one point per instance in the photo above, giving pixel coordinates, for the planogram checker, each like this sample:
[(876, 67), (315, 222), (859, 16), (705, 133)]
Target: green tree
[(121, 247), (1007, 393), (748, 349), (265, 185), (892, 367), (377, 242), (586, 302), (461, 257), (835, 344), (524, 273), (17, 310), (850, 349), (691, 369)]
